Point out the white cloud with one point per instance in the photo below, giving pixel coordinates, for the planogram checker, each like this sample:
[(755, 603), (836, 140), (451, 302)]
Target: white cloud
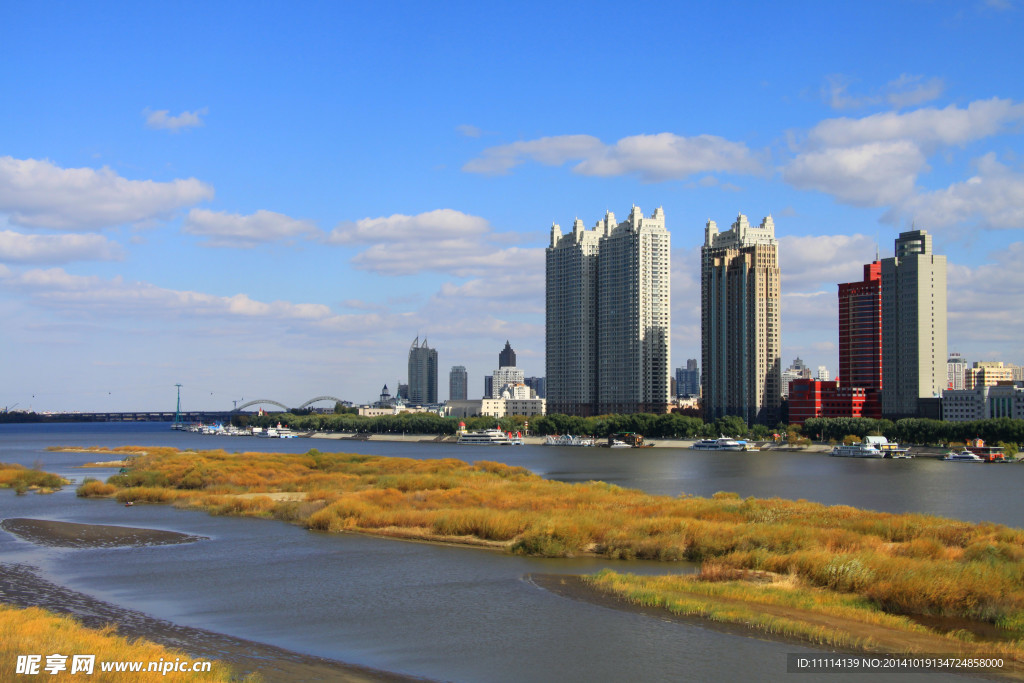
[(162, 120), (39, 194), (993, 198), (550, 151), (870, 174), (928, 127), (56, 287), (233, 230), (423, 227), (909, 91), (468, 130), (443, 240), (654, 158), (810, 263), (50, 249), (906, 91), (876, 160), (461, 258)]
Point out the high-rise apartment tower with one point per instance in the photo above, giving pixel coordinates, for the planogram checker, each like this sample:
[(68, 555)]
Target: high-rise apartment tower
[(458, 383), (741, 325), (422, 373), (913, 325), (608, 316)]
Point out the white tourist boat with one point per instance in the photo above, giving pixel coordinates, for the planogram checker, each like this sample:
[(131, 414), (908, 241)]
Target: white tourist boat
[(721, 444), (857, 450), (568, 440), (963, 456), (490, 437)]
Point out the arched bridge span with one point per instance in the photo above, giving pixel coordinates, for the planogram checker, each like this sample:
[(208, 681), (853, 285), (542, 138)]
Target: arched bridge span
[(259, 401), (323, 398)]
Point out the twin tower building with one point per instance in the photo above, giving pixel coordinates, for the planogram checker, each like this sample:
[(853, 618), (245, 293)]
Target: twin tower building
[(609, 318)]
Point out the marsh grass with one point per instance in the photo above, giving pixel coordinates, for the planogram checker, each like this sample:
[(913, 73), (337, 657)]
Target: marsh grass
[(898, 563), (23, 479), (37, 631)]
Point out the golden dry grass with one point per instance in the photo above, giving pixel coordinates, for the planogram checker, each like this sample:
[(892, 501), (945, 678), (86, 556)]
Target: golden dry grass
[(37, 631), (900, 563), (21, 479)]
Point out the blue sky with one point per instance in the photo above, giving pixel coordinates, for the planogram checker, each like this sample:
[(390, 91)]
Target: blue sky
[(272, 200)]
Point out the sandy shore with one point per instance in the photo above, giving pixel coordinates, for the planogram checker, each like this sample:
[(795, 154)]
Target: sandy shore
[(21, 585)]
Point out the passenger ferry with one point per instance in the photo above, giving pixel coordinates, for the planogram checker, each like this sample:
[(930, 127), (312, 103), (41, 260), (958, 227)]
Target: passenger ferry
[(568, 440), (857, 450), (490, 437), (720, 444)]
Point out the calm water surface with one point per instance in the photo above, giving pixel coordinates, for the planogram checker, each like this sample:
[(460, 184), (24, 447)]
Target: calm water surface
[(453, 613)]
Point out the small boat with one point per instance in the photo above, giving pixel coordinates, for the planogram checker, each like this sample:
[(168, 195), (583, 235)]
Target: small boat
[(963, 456), (857, 450), (490, 437), (618, 444)]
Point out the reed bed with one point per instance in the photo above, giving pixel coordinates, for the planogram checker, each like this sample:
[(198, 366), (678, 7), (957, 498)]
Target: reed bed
[(37, 631), (899, 563), (22, 479)]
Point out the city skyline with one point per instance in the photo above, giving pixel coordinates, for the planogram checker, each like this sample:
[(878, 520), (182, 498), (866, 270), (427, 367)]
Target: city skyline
[(252, 207)]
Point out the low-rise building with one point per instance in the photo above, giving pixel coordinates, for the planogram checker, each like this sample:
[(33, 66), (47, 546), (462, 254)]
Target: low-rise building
[(814, 398), (984, 403), (495, 407)]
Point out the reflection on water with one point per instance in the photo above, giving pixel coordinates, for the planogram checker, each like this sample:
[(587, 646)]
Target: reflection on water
[(442, 612)]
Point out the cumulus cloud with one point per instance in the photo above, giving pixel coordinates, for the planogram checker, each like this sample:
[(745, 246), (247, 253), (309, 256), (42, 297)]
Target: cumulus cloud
[(223, 229), (814, 262), (53, 249), (927, 127), (58, 288), (443, 240), (877, 160), (993, 198), (871, 174), (162, 119), (423, 227), (40, 194), (653, 158)]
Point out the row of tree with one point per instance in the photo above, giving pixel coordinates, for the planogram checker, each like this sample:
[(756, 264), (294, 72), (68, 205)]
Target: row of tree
[(651, 426), (917, 430), (673, 425)]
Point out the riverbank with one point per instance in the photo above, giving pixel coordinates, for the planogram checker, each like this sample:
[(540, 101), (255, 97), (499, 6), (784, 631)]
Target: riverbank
[(889, 564), (783, 623), (22, 586)]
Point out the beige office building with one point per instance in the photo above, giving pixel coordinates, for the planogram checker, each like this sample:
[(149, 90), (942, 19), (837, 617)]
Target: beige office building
[(741, 323), (608, 316), (914, 353)]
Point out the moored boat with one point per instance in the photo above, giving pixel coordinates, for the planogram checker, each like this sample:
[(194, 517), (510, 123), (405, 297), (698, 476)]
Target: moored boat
[(963, 456), (490, 437), (720, 444), (568, 440), (857, 450)]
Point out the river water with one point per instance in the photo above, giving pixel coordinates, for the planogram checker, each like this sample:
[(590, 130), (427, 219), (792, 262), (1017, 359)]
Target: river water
[(449, 613)]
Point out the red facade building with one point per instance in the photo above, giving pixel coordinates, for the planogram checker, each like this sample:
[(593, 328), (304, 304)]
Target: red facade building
[(857, 390), (860, 330)]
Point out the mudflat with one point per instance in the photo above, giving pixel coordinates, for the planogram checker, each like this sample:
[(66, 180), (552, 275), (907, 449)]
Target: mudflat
[(22, 586), (74, 535)]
